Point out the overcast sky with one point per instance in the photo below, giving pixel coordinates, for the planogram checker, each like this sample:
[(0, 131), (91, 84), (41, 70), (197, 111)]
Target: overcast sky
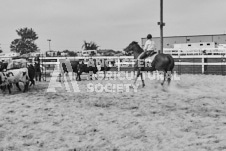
[(112, 24)]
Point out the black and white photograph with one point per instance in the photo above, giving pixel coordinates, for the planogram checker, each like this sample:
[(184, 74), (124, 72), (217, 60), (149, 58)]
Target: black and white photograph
[(112, 75)]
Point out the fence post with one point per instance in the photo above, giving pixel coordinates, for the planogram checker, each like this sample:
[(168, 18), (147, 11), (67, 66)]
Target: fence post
[(223, 65), (203, 65), (119, 64)]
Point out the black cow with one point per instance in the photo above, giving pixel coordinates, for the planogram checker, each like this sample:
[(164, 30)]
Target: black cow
[(87, 68), (94, 66), (80, 67), (3, 66), (74, 65)]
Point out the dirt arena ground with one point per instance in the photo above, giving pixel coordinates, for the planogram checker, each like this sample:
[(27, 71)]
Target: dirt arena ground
[(190, 115)]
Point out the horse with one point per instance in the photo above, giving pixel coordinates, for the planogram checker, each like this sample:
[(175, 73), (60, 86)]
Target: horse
[(161, 62)]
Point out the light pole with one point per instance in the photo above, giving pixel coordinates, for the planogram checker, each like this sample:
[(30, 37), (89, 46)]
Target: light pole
[(49, 43), (161, 23)]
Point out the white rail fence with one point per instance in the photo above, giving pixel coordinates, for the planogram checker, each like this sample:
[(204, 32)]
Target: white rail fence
[(195, 51), (120, 61)]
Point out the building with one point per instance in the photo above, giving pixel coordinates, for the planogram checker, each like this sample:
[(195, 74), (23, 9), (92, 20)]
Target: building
[(8, 55), (51, 53), (169, 42)]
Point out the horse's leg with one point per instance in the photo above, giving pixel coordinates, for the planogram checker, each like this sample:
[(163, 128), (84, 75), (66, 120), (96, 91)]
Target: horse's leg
[(142, 79), (164, 78), (18, 86), (138, 73), (169, 78)]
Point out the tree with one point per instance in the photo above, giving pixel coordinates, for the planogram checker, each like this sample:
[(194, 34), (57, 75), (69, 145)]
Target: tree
[(90, 45), (109, 52), (129, 53), (70, 53), (24, 44)]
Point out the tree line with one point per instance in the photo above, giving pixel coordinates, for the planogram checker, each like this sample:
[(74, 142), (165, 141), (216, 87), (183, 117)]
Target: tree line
[(26, 44)]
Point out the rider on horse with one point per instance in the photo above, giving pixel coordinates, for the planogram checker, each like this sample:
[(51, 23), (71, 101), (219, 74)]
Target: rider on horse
[(149, 48)]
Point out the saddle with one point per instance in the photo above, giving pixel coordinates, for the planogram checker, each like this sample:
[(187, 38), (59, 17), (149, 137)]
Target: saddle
[(147, 59), (150, 56)]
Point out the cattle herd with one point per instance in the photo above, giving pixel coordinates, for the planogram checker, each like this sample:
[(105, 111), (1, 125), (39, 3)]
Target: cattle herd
[(10, 77), (27, 74)]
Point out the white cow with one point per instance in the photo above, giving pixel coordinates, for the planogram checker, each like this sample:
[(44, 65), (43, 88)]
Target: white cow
[(15, 76), (17, 64)]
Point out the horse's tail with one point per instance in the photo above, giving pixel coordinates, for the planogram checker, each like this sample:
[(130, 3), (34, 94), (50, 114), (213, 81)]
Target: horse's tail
[(171, 64)]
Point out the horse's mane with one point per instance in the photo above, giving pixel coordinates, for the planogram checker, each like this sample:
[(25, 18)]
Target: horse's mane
[(139, 49)]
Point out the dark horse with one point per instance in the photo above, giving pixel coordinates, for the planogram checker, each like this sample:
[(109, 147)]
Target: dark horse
[(161, 62)]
